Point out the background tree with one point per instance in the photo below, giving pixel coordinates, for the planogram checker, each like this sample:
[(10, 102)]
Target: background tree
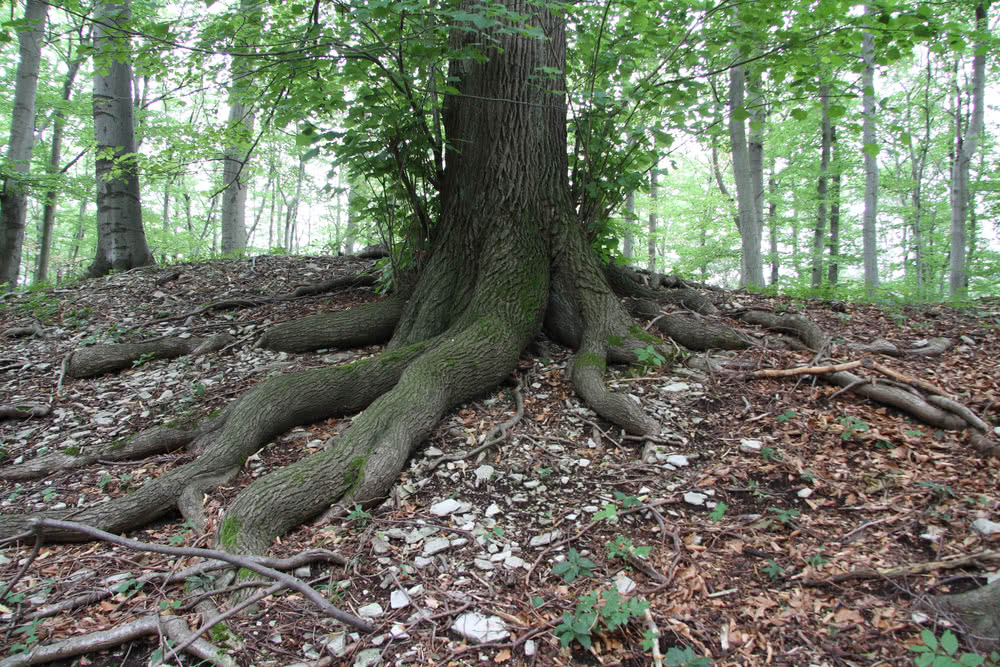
[(121, 238), (14, 192)]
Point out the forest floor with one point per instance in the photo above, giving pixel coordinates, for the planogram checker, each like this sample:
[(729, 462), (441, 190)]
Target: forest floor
[(800, 483)]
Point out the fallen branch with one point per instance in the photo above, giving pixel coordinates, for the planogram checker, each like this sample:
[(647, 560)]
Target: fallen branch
[(249, 563), (980, 558), (174, 627), (808, 370), (960, 410), (23, 411), (906, 379)]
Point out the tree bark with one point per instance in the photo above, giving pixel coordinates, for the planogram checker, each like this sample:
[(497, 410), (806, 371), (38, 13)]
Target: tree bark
[(868, 230), (121, 239), (819, 231), (13, 190), (630, 222), (965, 148), (751, 265), (833, 268), (651, 231)]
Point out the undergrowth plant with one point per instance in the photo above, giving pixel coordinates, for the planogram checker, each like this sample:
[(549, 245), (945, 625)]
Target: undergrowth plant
[(943, 652), (596, 612)]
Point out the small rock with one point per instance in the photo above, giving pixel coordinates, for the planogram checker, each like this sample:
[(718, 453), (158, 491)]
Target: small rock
[(483, 564), (530, 648), (436, 545), (484, 473), (986, 527), (492, 510), (533, 484), (337, 643), (398, 599), (399, 632), (302, 572), (445, 507), (420, 562), (544, 538), (695, 498), (368, 658), (433, 452), (624, 584), (804, 493), (373, 610), (675, 387), (678, 460), (932, 534), (379, 545), (479, 628), (513, 562), (750, 446), (583, 463), (968, 341), (275, 638)]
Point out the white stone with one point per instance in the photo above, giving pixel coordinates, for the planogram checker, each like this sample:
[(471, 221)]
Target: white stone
[(513, 562), (932, 534), (436, 545), (483, 564), (695, 498), (432, 452), (750, 446), (420, 562), (484, 473), (373, 610), (544, 538), (583, 463), (368, 657), (492, 510), (804, 493), (479, 628), (445, 507), (986, 527), (624, 584), (398, 599), (678, 460), (379, 545), (675, 386)]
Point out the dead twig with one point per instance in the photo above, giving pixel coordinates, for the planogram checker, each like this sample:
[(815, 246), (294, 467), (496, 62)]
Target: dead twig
[(907, 570)]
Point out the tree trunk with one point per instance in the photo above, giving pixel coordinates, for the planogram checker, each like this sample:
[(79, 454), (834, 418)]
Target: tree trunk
[(239, 135), (751, 265), (651, 231), (630, 222), (819, 231), (965, 148), (293, 208), (868, 232), (13, 191), (121, 240), (772, 222), (55, 155), (833, 269)]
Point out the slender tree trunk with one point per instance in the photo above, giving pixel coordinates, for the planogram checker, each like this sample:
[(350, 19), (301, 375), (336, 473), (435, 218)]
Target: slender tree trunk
[(55, 155), (13, 191), (772, 222), (239, 136), (965, 148), (630, 222), (651, 232), (819, 231), (868, 227), (751, 265), (293, 207), (833, 270)]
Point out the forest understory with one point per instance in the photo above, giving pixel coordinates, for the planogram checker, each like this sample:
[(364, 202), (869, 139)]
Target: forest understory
[(790, 519)]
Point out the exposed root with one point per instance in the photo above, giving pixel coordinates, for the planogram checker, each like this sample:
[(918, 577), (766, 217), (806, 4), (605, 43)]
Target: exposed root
[(25, 411), (157, 440), (99, 359), (269, 409), (365, 324)]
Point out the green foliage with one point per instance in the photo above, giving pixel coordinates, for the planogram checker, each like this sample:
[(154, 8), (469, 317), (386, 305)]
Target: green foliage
[(685, 657), (943, 652), (598, 611), (786, 516), (787, 415), (718, 512), (773, 570), (623, 548), (358, 516), (852, 427), (143, 359), (573, 566), (649, 357)]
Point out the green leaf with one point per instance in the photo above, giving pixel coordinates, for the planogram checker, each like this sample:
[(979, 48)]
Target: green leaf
[(740, 114), (871, 149), (949, 642), (799, 114), (929, 639), (836, 111)]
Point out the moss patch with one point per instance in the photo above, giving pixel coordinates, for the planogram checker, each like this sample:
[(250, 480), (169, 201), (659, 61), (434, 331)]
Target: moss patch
[(229, 532), (590, 359)]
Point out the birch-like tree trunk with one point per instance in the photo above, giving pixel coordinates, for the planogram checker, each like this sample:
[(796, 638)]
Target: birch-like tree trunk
[(751, 264), (239, 138), (819, 230), (965, 148), (55, 155), (772, 222), (651, 237), (121, 239), (868, 235), (833, 269), (13, 190), (629, 241)]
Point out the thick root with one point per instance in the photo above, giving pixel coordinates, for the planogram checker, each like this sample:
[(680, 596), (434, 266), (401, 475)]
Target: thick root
[(100, 359), (367, 324)]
